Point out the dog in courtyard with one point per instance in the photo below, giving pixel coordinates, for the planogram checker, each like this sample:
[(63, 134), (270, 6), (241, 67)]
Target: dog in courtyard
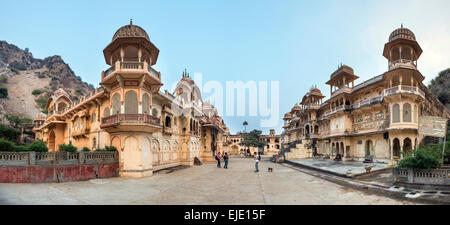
[(368, 168), (270, 170)]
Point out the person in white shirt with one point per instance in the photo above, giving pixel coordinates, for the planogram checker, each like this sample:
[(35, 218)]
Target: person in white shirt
[(257, 158)]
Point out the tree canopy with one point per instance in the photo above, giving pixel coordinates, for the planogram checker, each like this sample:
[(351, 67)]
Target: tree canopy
[(252, 139)]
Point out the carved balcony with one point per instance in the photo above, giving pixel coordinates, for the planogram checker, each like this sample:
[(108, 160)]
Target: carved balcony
[(131, 122)]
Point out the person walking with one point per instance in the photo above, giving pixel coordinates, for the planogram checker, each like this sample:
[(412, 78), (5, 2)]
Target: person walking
[(257, 158), (218, 159), (225, 159)]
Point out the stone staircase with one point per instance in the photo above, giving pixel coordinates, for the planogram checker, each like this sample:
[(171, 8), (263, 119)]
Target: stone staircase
[(299, 150)]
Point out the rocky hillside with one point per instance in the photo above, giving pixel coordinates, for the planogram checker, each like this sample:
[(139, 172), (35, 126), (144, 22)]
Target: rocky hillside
[(440, 86), (29, 81)]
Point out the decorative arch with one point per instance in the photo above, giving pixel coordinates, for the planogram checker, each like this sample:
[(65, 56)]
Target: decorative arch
[(131, 103), (52, 141), (155, 145), (154, 112), (396, 113), (145, 104), (93, 117), (106, 112), (395, 54), (406, 112), (369, 148), (168, 121), (131, 158), (396, 147), (407, 145), (116, 104)]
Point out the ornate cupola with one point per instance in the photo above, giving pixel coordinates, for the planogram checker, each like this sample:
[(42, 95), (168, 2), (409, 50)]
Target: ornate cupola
[(131, 43), (341, 79), (131, 56), (402, 49)]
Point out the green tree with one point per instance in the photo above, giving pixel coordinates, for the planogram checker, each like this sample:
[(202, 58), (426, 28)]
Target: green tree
[(3, 92), (17, 120), (6, 146), (253, 139), (38, 146), (41, 101), (67, 148), (3, 78), (36, 92), (8, 133)]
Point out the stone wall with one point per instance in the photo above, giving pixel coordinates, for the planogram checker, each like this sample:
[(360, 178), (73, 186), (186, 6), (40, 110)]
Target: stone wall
[(36, 167)]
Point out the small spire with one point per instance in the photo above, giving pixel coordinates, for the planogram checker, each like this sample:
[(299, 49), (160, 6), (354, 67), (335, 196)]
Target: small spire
[(401, 26), (131, 21)]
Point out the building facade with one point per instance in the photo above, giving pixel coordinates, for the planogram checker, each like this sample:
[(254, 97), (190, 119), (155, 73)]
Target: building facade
[(273, 144), (375, 120), (151, 129)]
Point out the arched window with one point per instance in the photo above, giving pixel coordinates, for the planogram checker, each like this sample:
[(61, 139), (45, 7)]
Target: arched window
[(155, 112), (62, 107), (94, 117), (106, 112), (395, 54), (131, 103), (396, 148), (168, 121), (131, 53), (369, 148), (396, 113), (415, 114), (145, 104), (94, 143), (116, 104), (407, 145), (406, 53), (406, 112)]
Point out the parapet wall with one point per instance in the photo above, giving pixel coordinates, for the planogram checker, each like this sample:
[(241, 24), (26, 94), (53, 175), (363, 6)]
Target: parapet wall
[(46, 174), (31, 167)]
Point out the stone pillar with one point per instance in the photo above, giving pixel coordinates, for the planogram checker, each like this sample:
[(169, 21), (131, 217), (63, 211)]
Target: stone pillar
[(410, 175), (401, 149), (81, 158), (122, 53), (32, 158), (391, 148)]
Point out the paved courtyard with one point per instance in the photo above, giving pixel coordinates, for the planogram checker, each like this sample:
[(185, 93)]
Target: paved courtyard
[(203, 184), (349, 168)]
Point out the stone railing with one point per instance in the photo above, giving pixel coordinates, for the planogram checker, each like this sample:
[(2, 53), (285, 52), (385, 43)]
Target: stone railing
[(341, 90), (56, 158), (110, 70), (369, 101), (404, 89), (137, 118), (402, 62), (337, 109), (155, 74), (421, 176), (133, 66)]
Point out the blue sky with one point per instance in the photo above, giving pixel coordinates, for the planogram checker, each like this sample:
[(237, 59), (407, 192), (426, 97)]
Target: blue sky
[(298, 43)]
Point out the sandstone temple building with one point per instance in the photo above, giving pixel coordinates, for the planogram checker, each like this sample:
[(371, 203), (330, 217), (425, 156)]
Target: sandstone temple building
[(273, 144), (151, 129), (374, 120)]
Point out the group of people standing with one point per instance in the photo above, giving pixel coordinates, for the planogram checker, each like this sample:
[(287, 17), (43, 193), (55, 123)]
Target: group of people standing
[(225, 159)]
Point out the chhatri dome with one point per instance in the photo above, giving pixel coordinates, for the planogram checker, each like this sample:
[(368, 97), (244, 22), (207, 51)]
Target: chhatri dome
[(403, 33), (130, 31)]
